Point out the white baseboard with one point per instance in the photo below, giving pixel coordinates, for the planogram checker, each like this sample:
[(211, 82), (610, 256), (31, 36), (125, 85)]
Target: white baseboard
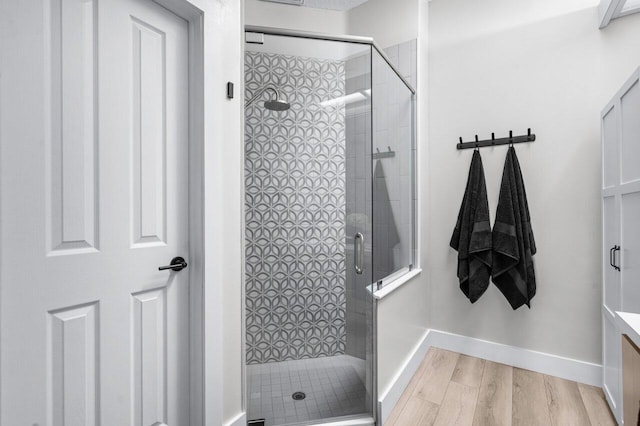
[(541, 362), (389, 398), (239, 420), (566, 368)]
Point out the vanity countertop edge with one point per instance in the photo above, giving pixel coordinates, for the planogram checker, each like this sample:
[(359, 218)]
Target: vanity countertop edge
[(629, 324)]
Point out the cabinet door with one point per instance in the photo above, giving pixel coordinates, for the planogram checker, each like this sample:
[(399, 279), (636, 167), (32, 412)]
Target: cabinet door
[(630, 381), (629, 193), (610, 205), (620, 228), (611, 293)]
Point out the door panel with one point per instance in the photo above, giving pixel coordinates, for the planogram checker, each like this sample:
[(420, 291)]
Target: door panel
[(103, 205), (610, 239), (611, 362), (72, 182), (610, 152), (73, 346), (148, 132), (149, 356), (630, 252), (630, 136)]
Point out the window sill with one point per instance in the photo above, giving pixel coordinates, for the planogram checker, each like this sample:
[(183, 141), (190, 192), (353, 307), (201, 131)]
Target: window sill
[(395, 284)]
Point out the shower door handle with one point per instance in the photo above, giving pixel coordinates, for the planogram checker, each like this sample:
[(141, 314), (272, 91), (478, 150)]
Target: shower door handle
[(358, 243)]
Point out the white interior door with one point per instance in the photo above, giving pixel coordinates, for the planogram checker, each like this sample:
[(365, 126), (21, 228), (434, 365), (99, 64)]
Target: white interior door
[(94, 194)]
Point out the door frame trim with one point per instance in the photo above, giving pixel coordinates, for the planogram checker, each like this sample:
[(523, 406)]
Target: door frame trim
[(189, 11), (211, 241), (186, 10)]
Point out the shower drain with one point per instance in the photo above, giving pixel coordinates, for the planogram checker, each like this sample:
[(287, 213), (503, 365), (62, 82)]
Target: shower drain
[(297, 396)]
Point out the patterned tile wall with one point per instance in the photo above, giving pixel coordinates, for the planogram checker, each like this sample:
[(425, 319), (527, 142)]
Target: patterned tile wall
[(295, 211)]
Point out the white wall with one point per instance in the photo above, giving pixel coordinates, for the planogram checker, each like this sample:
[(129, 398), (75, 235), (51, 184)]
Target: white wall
[(499, 65), (388, 22), (295, 17), (223, 200)]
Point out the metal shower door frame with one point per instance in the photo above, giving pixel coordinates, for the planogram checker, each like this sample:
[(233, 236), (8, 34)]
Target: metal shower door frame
[(374, 305)]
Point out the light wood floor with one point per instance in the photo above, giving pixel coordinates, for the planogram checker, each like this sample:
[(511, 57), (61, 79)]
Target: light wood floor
[(453, 389)]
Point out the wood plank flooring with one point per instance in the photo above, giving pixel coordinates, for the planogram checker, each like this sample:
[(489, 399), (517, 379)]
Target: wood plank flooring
[(451, 389)]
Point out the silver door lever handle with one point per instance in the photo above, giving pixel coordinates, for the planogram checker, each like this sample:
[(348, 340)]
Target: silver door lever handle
[(177, 264), (358, 263)]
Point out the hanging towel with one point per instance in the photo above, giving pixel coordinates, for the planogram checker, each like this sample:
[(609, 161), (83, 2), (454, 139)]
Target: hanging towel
[(513, 243), (384, 225), (472, 234)]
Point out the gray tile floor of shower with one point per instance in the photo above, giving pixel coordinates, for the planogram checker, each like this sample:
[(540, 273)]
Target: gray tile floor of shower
[(334, 387)]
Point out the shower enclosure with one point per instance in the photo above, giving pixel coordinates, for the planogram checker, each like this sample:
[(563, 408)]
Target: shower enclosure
[(329, 202)]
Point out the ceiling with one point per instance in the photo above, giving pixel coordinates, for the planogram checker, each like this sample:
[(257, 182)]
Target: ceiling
[(330, 4)]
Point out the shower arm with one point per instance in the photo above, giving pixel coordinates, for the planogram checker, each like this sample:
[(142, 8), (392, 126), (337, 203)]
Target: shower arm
[(260, 92)]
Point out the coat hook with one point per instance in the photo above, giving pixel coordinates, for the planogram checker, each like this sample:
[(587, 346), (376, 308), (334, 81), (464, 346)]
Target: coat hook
[(389, 148), (510, 138), (378, 149), (493, 138), (460, 139)]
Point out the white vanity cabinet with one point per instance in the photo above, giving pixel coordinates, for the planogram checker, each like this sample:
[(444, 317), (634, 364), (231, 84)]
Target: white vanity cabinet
[(620, 228)]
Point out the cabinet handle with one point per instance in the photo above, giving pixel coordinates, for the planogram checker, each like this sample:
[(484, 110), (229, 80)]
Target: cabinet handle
[(614, 264), (611, 256)]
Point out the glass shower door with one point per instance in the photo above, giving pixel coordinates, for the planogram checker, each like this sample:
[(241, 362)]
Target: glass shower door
[(308, 235), (359, 312)]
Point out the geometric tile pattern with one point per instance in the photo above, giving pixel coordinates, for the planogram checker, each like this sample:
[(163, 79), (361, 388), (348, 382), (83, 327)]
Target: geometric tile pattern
[(295, 211), (334, 387)]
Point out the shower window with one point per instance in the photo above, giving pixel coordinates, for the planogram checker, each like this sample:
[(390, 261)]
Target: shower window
[(393, 171)]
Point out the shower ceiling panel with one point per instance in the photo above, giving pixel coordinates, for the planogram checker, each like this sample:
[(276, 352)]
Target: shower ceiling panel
[(323, 4)]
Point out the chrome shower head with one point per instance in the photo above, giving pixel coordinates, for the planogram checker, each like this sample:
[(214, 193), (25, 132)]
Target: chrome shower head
[(277, 105)]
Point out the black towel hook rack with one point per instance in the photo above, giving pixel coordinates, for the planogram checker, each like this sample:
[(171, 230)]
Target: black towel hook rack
[(510, 140)]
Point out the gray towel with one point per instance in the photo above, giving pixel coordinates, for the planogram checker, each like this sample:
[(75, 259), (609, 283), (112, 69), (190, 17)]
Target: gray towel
[(385, 226), (513, 243), (472, 234)]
